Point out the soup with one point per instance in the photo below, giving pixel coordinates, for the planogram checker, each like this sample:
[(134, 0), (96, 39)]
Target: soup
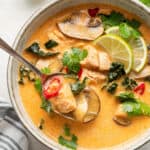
[(94, 47)]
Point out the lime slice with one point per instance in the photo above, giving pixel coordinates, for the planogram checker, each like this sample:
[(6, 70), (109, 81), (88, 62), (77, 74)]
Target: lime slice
[(117, 48), (139, 49)]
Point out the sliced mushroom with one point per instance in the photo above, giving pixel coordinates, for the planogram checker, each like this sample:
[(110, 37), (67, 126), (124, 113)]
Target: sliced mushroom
[(81, 26), (121, 117), (88, 106), (144, 73), (54, 64)]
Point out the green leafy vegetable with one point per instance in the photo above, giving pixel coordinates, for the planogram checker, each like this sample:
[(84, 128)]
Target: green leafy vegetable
[(38, 85), (78, 86), (35, 49), (45, 105), (146, 2), (50, 44), (72, 59), (112, 88), (116, 18), (42, 121), (116, 71), (129, 84), (70, 143), (132, 105), (126, 96), (46, 70), (67, 130), (127, 32), (25, 72), (136, 108)]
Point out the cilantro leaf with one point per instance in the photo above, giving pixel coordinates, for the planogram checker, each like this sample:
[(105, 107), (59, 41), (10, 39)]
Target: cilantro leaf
[(46, 70), (72, 59), (46, 105), (126, 96), (127, 31), (116, 18), (38, 85), (67, 130), (136, 108), (78, 86), (50, 44), (68, 143), (34, 48), (146, 2)]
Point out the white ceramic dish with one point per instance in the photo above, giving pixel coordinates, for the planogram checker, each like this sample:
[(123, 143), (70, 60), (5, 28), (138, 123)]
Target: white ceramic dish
[(38, 18)]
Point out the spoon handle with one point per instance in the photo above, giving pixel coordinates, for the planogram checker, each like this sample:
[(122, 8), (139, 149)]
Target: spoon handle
[(16, 55)]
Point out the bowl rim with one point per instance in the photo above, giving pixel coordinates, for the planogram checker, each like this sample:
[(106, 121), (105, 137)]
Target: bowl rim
[(20, 33)]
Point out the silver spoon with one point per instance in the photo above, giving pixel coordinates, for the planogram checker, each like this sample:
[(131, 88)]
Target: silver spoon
[(93, 104)]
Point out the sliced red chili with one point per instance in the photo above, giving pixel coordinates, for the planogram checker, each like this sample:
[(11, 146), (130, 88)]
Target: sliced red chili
[(140, 88), (93, 12), (52, 87), (80, 72)]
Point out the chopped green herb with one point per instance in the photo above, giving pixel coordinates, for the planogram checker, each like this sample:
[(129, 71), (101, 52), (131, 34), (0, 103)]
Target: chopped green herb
[(69, 143), (67, 130), (126, 96), (132, 105), (116, 71), (26, 73), (42, 121), (129, 84), (38, 85), (50, 44), (127, 32), (112, 88), (116, 18), (78, 86), (46, 70), (146, 2), (35, 49), (72, 59), (46, 105)]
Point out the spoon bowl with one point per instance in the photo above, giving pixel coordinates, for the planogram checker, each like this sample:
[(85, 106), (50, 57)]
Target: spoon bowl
[(89, 103)]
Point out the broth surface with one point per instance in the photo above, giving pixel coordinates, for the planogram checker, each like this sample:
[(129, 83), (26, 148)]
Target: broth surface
[(102, 132)]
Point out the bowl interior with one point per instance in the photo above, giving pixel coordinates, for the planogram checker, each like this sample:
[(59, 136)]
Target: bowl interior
[(38, 18)]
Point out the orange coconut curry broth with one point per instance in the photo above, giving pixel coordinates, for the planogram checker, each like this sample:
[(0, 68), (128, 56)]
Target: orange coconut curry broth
[(56, 38)]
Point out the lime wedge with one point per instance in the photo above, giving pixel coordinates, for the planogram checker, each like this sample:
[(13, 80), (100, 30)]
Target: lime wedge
[(139, 49), (117, 48)]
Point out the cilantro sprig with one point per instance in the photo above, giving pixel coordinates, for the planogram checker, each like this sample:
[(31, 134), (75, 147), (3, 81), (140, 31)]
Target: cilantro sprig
[(133, 106), (71, 59), (70, 143)]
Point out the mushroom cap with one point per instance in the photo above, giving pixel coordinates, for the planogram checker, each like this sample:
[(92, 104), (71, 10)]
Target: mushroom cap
[(81, 26)]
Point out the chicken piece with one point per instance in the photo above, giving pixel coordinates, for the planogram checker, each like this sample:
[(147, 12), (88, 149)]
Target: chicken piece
[(94, 76), (65, 102), (54, 64), (91, 61), (104, 61)]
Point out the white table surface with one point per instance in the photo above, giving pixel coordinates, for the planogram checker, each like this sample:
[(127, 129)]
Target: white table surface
[(13, 14)]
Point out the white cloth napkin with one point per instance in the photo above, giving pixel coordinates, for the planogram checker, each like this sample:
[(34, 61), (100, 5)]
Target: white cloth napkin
[(12, 134)]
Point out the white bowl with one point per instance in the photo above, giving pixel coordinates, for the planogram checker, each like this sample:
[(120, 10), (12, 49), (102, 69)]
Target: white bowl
[(38, 18)]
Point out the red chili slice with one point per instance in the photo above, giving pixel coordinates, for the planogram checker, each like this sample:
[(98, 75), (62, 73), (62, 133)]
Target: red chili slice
[(80, 72), (93, 12), (52, 87), (140, 88)]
